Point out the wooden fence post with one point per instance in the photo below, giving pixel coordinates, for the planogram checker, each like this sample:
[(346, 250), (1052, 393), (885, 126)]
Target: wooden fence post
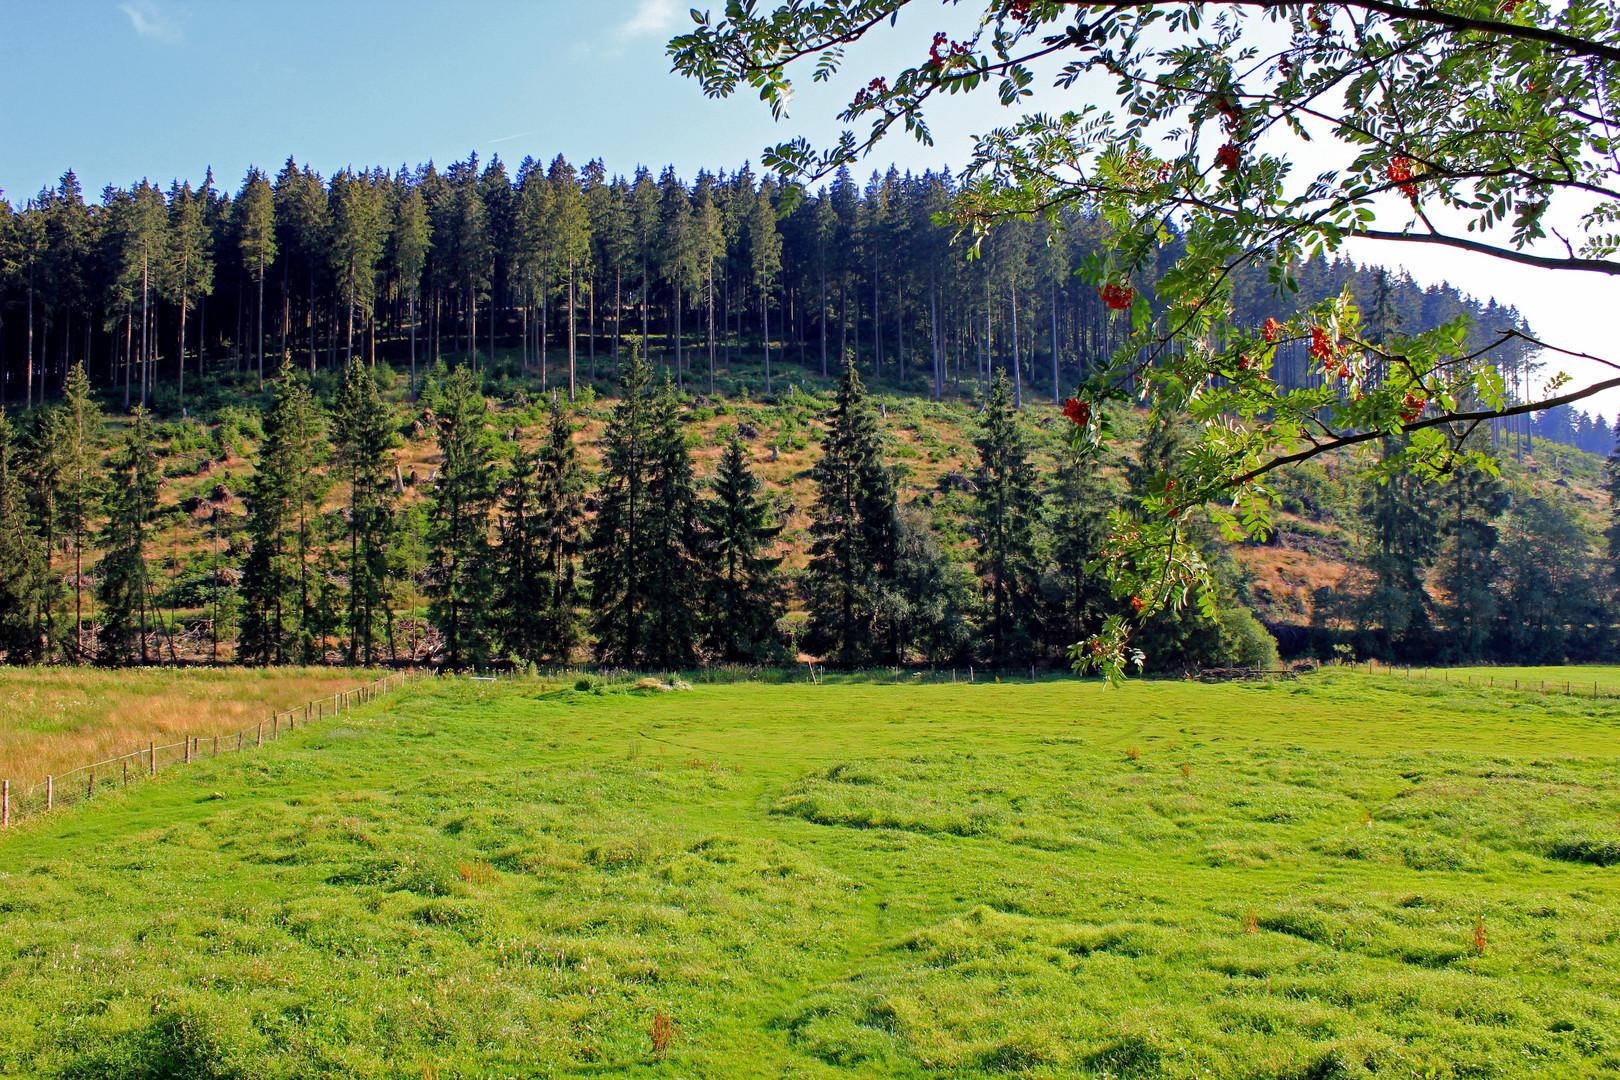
[(275, 726), (126, 772), (5, 804), (188, 749), (90, 785), (50, 792), (259, 738), (151, 749), (216, 746)]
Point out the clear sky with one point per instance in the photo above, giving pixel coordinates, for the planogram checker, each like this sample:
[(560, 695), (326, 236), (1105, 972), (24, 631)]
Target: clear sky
[(124, 89)]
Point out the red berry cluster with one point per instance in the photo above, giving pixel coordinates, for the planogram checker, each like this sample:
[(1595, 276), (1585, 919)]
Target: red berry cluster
[(1077, 411), (1019, 9), (945, 52), (1272, 330), (1325, 351), (1412, 406), (1231, 112), (1117, 297), (872, 91), (1402, 172), (1321, 18), (1137, 603), (1228, 157)]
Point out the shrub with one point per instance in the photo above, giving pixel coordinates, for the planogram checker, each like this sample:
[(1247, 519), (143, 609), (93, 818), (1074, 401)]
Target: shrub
[(1248, 643)]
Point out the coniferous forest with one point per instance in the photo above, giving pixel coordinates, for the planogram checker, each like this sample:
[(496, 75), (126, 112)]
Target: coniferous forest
[(213, 400)]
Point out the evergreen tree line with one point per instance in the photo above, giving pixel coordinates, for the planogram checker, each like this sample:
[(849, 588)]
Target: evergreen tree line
[(523, 555), (1474, 568), (549, 268)]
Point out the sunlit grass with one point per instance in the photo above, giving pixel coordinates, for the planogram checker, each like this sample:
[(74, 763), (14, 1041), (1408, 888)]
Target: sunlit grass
[(1341, 876)]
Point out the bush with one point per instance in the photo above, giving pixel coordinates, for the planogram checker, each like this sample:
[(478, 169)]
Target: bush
[(1247, 642)]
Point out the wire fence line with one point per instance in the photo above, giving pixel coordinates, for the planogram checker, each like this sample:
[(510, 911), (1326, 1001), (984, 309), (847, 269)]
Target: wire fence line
[(82, 784)]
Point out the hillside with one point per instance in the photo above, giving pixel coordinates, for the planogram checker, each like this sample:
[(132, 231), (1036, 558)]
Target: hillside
[(208, 457)]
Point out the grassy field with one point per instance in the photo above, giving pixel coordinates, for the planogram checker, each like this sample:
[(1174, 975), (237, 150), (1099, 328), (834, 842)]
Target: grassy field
[(53, 719), (1343, 876)]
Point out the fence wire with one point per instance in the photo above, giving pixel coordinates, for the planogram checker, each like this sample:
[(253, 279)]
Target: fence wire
[(147, 763)]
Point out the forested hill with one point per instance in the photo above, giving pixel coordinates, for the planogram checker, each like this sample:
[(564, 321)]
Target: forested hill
[(446, 478), (151, 286)]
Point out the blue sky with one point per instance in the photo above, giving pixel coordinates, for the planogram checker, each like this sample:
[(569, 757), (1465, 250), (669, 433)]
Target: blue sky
[(124, 89), (119, 90)]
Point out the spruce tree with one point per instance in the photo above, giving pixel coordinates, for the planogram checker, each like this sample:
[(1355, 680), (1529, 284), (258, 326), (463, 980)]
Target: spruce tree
[(1402, 539), (1471, 500), (673, 566), (615, 561), (124, 593), (460, 584), (852, 554), (363, 434), (642, 560), (1078, 595), (521, 588), (745, 594), (283, 515), (23, 565), (560, 490), (1005, 510), (81, 480)]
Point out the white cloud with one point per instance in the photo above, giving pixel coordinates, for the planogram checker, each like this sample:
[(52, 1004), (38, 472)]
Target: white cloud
[(650, 17), (150, 22)]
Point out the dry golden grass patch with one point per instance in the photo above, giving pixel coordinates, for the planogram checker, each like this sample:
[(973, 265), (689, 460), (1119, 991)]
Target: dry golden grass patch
[(53, 720)]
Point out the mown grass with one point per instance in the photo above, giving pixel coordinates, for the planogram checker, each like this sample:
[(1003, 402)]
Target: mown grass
[(53, 719), (471, 879)]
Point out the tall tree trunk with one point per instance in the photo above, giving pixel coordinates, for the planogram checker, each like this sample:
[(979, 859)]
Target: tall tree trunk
[(571, 339), (182, 348), (824, 318), (261, 322), (348, 342), (413, 342), (1018, 378), (1057, 385), (145, 311)]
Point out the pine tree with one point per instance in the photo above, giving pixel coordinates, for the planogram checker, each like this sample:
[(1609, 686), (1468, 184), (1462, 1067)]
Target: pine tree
[(255, 209), (191, 263), (745, 594), (461, 587), (363, 433), (359, 231), (1005, 509), (283, 515), (24, 568), (124, 594), (852, 554)]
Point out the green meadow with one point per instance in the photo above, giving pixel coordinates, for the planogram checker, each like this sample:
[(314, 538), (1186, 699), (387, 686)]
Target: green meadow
[(1340, 876)]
